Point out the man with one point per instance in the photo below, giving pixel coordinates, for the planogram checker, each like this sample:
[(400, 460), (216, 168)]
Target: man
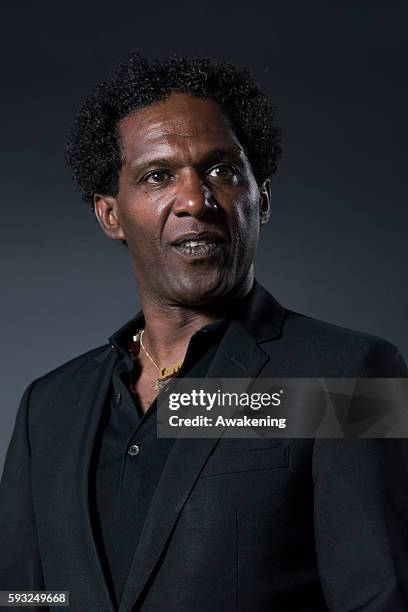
[(175, 157)]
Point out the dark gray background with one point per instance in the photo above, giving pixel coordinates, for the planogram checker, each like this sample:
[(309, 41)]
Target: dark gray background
[(336, 246)]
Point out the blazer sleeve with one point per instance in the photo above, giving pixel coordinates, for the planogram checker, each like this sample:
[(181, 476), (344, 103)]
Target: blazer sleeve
[(20, 562), (361, 508)]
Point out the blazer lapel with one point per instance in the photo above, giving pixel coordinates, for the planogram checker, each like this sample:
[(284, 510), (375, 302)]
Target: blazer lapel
[(91, 590), (238, 356)]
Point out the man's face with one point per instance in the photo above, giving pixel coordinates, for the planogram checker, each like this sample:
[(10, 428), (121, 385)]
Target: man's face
[(188, 205)]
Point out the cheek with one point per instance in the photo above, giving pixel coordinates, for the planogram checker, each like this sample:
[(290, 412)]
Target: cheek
[(142, 224), (246, 221)]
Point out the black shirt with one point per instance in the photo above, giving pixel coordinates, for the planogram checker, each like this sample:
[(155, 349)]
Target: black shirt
[(129, 458)]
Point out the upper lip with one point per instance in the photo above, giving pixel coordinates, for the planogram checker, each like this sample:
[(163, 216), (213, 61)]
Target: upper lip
[(210, 236)]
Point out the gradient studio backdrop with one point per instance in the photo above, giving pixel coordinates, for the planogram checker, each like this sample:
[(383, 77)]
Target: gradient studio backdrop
[(336, 247)]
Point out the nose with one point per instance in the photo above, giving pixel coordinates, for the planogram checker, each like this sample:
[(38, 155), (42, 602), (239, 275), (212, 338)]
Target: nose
[(193, 197)]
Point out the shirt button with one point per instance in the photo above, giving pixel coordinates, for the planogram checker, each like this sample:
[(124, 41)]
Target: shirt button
[(133, 450), (118, 397)]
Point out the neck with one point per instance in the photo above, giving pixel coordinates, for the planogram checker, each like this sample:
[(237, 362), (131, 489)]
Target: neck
[(169, 327)]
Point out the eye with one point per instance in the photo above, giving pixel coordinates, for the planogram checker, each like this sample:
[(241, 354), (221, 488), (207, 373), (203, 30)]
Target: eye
[(157, 177), (223, 171)]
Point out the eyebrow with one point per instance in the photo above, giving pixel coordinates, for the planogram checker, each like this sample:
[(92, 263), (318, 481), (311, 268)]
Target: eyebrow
[(144, 162)]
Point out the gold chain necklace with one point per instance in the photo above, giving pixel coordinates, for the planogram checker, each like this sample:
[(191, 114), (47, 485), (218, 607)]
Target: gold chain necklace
[(165, 374)]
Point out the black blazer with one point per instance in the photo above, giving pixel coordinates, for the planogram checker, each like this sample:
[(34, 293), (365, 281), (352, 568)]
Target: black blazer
[(296, 525)]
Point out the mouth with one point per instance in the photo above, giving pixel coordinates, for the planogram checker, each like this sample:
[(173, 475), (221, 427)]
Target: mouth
[(198, 245)]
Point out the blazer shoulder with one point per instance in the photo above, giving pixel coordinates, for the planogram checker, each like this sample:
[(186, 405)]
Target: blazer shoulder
[(310, 327), (75, 366), (351, 352)]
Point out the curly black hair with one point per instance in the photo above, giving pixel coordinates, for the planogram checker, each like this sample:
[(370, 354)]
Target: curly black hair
[(94, 149)]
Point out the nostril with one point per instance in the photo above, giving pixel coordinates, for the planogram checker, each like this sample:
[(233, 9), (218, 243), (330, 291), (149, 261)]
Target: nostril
[(196, 204)]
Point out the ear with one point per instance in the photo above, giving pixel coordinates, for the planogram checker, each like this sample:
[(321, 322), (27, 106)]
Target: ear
[(265, 202), (106, 211)]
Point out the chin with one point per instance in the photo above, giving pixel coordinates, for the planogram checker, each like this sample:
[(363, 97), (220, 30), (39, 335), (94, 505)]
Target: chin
[(202, 290)]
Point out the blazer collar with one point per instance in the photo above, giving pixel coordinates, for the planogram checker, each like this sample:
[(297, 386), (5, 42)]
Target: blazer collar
[(261, 314)]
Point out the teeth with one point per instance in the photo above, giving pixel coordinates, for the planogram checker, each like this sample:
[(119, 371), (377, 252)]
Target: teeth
[(195, 243)]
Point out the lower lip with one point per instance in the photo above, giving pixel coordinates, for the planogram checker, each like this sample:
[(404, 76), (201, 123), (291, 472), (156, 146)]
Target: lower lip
[(198, 252)]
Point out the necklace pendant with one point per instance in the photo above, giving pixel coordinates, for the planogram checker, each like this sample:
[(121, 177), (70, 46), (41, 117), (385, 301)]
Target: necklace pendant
[(160, 384)]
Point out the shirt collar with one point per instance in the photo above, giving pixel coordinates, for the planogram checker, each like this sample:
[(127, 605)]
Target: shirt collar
[(121, 338), (258, 311)]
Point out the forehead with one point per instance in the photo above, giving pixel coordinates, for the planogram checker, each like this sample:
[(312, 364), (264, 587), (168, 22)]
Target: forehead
[(183, 122)]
